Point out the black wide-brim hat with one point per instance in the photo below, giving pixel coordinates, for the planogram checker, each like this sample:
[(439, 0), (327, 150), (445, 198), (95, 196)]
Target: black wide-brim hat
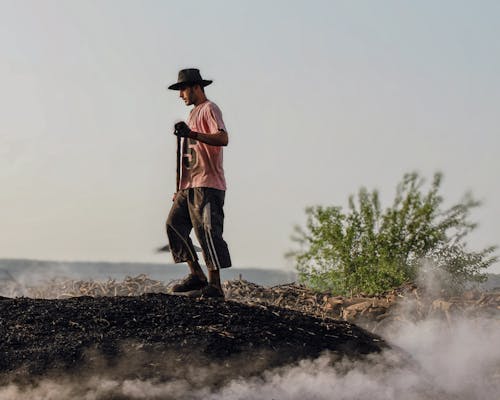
[(189, 77)]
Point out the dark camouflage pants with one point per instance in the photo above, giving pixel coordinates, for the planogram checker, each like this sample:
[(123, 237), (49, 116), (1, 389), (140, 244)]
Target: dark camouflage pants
[(200, 209)]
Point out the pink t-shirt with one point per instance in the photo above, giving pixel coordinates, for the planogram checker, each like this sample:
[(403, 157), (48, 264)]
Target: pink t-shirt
[(202, 163)]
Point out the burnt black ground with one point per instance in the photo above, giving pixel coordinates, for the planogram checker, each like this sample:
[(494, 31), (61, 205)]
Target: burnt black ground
[(161, 336)]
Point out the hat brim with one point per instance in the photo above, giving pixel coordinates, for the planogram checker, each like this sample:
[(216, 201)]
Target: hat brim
[(180, 85)]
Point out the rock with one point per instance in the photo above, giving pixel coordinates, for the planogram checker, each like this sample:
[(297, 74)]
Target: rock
[(442, 305), (359, 307), (471, 295)]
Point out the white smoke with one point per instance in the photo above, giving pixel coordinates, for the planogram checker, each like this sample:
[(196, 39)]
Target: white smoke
[(30, 280)]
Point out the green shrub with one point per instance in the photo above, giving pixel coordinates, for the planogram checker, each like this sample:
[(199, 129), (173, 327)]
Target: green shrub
[(369, 250)]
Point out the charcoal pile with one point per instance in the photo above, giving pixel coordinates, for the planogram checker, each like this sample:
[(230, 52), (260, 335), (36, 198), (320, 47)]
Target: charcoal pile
[(159, 335)]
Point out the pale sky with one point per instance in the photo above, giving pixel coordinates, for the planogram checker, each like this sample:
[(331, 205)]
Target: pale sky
[(319, 98)]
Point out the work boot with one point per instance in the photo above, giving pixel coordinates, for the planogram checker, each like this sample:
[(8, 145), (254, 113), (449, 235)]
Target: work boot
[(189, 283), (211, 292)]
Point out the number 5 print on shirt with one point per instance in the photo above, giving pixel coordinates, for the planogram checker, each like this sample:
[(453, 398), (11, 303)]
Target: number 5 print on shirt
[(189, 157)]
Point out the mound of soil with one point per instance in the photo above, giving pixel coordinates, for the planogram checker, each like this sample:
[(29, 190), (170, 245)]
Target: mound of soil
[(160, 335)]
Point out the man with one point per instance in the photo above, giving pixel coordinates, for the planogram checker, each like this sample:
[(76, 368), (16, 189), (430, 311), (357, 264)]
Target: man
[(198, 203)]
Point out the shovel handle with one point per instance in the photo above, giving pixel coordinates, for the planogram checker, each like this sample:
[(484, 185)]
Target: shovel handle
[(178, 166)]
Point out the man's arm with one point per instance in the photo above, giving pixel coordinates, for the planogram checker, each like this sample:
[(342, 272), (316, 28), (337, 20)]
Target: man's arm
[(214, 139), (220, 138)]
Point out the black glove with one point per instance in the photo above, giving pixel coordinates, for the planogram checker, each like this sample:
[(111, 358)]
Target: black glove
[(181, 129)]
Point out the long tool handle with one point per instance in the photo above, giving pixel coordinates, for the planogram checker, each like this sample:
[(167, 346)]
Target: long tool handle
[(178, 168)]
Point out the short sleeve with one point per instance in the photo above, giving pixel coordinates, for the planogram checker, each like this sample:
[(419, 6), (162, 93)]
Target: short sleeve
[(214, 118)]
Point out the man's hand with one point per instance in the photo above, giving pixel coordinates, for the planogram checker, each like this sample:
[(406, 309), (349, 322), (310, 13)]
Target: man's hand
[(182, 130)]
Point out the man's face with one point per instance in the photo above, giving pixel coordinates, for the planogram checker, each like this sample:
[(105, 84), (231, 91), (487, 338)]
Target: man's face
[(188, 94)]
